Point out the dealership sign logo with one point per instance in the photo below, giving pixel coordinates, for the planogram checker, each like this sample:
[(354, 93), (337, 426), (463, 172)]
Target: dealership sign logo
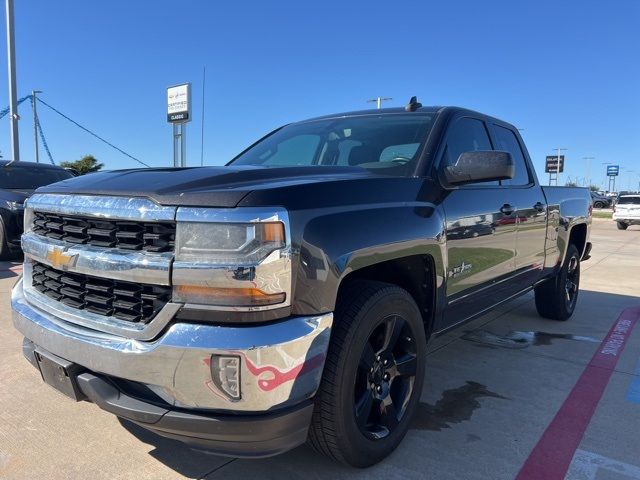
[(179, 103)]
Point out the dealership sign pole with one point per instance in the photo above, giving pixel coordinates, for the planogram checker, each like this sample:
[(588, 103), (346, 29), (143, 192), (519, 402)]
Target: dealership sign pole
[(554, 166), (612, 172), (178, 114)]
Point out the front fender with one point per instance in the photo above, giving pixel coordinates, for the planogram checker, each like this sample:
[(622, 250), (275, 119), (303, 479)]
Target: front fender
[(338, 242)]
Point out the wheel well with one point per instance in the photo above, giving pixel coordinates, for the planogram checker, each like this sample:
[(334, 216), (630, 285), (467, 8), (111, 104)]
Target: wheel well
[(415, 274), (578, 237)]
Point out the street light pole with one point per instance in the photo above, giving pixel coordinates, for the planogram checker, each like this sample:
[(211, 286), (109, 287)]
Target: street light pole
[(34, 98), (13, 99), (379, 100)]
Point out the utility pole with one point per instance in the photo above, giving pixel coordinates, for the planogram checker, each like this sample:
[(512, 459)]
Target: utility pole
[(204, 79), (557, 172), (588, 159), (379, 100), (34, 97), (13, 99)]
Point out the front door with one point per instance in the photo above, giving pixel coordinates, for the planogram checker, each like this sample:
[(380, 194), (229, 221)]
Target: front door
[(481, 227)]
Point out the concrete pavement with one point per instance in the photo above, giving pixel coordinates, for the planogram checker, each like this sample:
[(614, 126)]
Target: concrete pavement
[(493, 388)]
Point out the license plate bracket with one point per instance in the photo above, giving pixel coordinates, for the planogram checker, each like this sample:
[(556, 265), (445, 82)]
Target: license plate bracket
[(60, 374)]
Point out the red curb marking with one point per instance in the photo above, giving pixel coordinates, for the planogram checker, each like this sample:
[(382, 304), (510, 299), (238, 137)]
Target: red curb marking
[(551, 457)]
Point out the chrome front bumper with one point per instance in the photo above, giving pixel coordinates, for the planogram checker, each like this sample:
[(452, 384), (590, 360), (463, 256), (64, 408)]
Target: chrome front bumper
[(281, 362)]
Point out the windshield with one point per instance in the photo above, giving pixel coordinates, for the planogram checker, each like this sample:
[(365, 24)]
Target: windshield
[(629, 200), (388, 144), (15, 177)]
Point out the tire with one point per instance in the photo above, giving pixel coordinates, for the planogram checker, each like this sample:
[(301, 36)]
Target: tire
[(598, 205), (621, 225), (553, 297), (5, 253), (366, 313)]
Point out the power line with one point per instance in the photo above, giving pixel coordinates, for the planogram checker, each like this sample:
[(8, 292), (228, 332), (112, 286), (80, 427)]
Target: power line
[(5, 111), (91, 133)]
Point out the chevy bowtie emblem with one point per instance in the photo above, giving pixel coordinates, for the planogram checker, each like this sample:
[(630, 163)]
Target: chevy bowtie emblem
[(61, 260)]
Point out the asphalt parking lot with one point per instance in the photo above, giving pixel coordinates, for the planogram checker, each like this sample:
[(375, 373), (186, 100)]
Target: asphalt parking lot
[(508, 395)]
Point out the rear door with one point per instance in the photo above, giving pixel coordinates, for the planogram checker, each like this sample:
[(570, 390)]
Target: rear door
[(480, 230), (531, 208)]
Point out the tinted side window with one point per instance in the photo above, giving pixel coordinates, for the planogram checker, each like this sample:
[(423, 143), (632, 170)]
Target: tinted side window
[(506, 141), (466, 135)]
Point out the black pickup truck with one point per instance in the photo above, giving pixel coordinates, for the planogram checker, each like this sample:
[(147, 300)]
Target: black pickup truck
[(289, 295)]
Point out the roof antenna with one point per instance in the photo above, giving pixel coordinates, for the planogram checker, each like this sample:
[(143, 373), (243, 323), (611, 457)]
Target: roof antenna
[(413, 105)]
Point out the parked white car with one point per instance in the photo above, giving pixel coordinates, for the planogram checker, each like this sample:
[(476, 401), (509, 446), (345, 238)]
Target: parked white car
[(627, 211)]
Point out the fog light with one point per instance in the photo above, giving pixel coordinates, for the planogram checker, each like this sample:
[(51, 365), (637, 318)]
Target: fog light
[(225, 373)]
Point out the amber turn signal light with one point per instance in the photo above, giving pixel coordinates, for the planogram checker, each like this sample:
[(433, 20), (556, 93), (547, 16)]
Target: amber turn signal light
[(230, 297)]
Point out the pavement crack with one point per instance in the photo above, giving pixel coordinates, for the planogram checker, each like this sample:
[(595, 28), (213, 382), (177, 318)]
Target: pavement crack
[(203, 477)]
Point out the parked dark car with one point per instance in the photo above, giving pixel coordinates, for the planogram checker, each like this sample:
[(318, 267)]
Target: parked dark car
[(600, 201), (17, 182)]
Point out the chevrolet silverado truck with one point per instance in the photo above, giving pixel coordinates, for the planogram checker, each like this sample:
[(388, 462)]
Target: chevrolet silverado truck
[(289, 295)]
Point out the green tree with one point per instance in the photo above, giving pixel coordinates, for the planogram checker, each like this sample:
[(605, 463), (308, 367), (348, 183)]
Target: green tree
[(86, 164), (594, 188), (571, 184)]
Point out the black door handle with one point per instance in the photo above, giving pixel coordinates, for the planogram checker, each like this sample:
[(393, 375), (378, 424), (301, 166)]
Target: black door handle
[(539, 206), (507, 209)]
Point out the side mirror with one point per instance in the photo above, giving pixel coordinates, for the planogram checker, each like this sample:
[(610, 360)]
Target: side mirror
[(480, 166)]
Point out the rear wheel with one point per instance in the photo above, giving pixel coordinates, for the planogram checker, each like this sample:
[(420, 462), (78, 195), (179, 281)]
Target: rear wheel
[(557, 297), (622, 225), (373, 375)]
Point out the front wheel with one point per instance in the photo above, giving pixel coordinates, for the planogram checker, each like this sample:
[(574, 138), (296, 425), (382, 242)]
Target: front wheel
[(557, 297), (598, 205), (622, 225), (373, 375)]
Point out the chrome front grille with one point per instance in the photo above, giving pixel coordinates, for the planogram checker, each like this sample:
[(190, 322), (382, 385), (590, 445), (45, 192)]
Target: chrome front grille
[(101, 262), (107, 233), (128, 301)]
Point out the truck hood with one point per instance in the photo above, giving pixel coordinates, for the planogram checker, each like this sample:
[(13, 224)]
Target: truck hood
[(200, 186)]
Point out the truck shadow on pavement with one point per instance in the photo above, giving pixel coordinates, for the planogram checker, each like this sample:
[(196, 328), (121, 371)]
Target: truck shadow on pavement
[(174, 454), (9, 269)]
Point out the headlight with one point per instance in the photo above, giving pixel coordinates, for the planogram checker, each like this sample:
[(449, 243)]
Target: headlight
[(232, 258), (228, 243), (28, 219), (13, 205)]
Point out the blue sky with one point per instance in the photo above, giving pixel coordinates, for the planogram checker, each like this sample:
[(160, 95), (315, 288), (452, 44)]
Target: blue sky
[(566, 72)]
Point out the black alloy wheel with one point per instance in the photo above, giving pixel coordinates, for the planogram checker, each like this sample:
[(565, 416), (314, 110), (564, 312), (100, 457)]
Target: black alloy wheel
[(373, 374), (385, 378), (572, 283), (557, 297)]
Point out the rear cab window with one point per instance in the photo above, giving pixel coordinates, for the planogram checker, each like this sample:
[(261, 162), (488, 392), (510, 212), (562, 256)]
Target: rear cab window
[(629, 200)]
